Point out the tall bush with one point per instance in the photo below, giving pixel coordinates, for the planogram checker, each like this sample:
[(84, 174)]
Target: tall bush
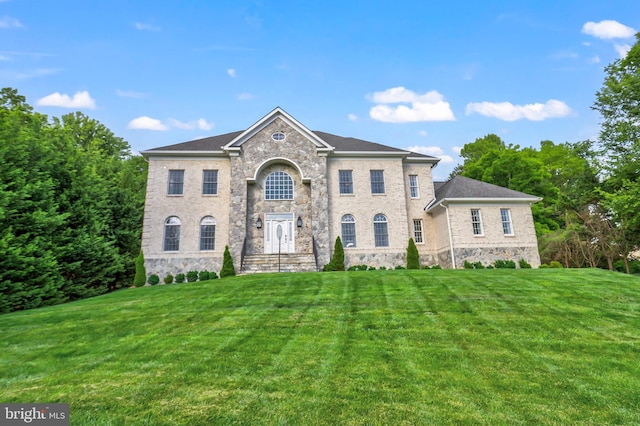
[(338, 255), (227, 264), (141, 272), (413, 257)]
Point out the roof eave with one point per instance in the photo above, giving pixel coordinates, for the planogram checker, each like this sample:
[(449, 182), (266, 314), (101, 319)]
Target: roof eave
[(172, 153), (477, 200)]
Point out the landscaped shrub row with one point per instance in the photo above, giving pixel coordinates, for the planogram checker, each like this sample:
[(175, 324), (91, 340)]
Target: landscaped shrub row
[(191, 276), (498, 264)]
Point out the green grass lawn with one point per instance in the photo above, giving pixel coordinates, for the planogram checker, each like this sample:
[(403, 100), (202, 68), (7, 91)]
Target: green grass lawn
[(375, 347)]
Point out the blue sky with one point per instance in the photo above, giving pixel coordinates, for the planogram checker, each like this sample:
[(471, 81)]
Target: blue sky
[(421, 75)]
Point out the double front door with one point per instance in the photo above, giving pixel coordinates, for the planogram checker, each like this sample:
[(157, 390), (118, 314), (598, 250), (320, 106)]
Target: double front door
[(279, 233)]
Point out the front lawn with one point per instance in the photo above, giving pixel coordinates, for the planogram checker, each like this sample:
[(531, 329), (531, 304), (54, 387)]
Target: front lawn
[(374, 347)]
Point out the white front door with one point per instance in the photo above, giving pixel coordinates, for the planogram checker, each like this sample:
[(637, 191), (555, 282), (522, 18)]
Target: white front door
[(279, 233)]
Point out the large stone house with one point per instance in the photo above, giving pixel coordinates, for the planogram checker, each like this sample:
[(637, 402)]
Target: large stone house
[(278, 194)]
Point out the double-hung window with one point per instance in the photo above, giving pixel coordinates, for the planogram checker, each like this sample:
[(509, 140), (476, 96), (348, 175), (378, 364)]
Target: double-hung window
[(172, 234), (209, 182), (418, 234), (208, 233), (413, 186), (505, 215), (346, 181), (377, 181), (476, 221), (380, 231), (348, 231), (176, 182)]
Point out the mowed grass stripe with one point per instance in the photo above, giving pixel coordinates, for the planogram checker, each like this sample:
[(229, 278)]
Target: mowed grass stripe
[(374, 347)]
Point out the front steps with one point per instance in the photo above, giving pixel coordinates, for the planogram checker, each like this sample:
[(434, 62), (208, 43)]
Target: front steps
[(289, 262)]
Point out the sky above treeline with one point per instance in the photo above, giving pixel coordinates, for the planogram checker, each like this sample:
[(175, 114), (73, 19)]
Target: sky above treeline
[(419, 75)]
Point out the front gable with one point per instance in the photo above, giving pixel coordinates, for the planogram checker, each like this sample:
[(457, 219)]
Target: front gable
[(277, 121)]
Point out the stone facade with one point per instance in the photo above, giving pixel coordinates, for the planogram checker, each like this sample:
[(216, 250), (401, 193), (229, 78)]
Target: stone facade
[(240, 208)]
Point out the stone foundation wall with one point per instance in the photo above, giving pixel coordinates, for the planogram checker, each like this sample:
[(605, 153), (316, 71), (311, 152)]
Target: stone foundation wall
[(488, 255), (181, 265)]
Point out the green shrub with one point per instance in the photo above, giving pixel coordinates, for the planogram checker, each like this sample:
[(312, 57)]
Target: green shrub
[(555, 264), (413, 257), (426, 267), (478, 265), (213, 275), (373, 268), (490, 267), (504, 264), (634, 266), (203, 275), (227, 264), (192, 276), (467, 265), (338, 255), (168, 279), (436, 267), (399, 267), (153, 279), (544, 266), (329, 267), (141, 273), (524, 264), (180, 278)]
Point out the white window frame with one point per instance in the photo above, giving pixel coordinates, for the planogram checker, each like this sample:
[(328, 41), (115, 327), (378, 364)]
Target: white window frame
[(414, 189), (350, 221), (213, 183), (377, 186), (344, 183), (476, 223), (507, 223), (418, 231), (205, 222), (175, 186), (172, 227), (380, 230), (284, 188)]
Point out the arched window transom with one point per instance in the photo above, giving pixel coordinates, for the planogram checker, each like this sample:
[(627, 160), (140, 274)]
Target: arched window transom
[(278, 186), (172, 234)]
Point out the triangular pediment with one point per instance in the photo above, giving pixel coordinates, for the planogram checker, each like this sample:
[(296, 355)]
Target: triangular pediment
[(277, 113)]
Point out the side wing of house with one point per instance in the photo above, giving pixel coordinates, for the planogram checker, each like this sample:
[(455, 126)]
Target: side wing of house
[(480, 222)]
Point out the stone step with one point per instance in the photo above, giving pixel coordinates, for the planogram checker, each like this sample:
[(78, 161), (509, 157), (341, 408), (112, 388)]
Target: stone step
[(257, 263)]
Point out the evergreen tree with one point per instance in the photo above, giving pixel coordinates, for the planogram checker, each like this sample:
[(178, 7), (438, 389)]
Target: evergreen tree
[(227, 264), (413, 257), (337, 260), (141, 273)]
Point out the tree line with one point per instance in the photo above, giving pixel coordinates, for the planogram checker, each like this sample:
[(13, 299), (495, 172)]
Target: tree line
[(590, 212), (71, 206)]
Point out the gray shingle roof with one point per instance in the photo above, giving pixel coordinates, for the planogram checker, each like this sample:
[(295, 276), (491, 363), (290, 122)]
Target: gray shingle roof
[(340, 143), (212, 143), (464, 187)]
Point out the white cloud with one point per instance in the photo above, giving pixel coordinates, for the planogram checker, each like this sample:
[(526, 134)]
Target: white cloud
[(434, 151), (231, 72), (352, 117), (594, 60), (423, 133), (509, 112), (245, 96), (25, 75), (147, 123), (9, 22), (200, 124), (429, 106), (622, 49), (130, 94), (608, 29), (457, 149), (146, 27), (79, 100)]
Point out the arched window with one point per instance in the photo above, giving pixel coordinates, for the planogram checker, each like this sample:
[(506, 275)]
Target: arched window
[(380, 231), (208, 233), (348, 231), (172, 234), (278, 186)]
